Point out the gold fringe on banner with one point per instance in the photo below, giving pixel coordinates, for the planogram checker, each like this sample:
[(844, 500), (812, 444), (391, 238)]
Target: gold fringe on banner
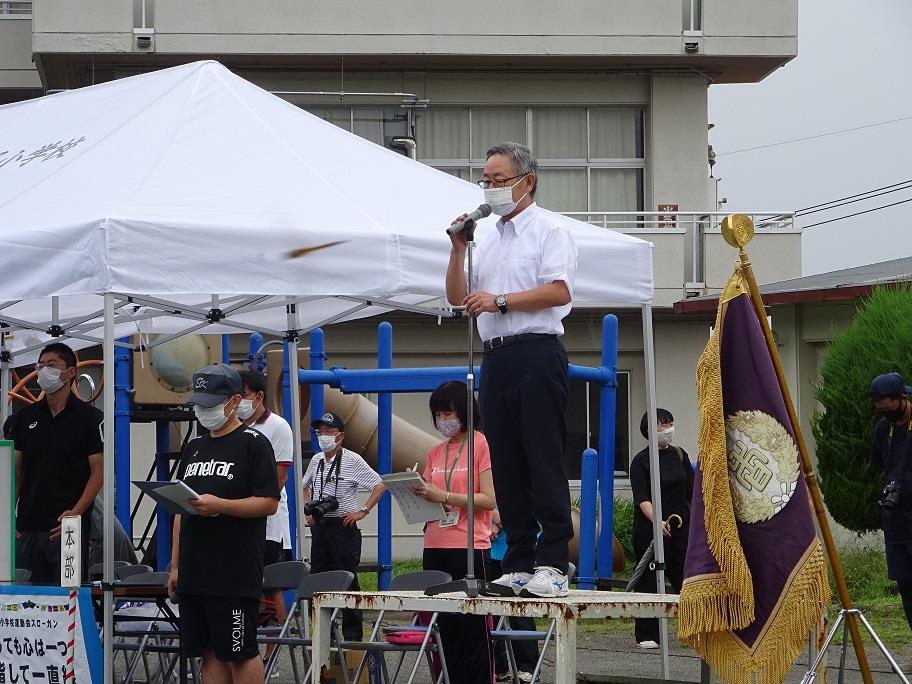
[(796, 614), (726, 601)]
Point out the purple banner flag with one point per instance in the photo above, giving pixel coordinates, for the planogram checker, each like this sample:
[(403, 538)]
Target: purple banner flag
[(755, 577)]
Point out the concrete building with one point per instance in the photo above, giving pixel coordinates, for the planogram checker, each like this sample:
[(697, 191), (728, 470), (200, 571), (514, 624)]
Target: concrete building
[(611, 95)]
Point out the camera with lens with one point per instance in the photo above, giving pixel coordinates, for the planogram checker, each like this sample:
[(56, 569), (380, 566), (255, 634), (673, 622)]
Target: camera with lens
[(321, 507), (890, 495)]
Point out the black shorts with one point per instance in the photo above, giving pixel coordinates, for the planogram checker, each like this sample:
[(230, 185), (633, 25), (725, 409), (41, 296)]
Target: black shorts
[(274, 553), (222, 624)]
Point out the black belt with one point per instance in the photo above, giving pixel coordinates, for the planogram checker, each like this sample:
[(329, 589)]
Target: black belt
[(498, 342), (334, 521)]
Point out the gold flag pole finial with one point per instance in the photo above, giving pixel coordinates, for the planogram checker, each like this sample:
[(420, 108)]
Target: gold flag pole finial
[(738, 230)]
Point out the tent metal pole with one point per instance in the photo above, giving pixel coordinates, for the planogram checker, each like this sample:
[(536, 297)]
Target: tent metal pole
[(108, 488), (654, 475), (5, 359), (295, 420)]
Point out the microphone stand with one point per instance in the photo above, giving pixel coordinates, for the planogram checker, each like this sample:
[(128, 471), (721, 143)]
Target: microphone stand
[(471, 586)]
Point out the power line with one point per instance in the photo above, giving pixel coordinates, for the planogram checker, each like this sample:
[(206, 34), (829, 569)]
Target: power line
[(852, 201), (858, 213), (860, 194), (814, 137)]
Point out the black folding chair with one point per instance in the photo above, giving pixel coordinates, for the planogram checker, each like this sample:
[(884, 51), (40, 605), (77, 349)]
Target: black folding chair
[(123, 571), (96, 570), (155, 631), (430, 644), (284, 576), (298, 620)]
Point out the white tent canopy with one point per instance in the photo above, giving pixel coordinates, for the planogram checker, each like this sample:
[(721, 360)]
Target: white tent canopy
[(147, 203), (191, 183)]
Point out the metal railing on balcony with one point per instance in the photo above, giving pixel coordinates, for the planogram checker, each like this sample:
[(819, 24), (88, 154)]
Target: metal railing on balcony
[(692, 225), (15, 9)]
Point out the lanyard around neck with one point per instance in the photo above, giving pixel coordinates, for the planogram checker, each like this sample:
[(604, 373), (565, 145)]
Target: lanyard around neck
[(447, 468)]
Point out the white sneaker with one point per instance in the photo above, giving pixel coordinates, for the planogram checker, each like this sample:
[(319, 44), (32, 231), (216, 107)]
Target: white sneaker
[(547, 582), (524, 676), (647, 644), (514, 580)]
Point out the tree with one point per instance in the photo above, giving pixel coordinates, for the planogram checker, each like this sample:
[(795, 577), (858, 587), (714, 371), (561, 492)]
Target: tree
[(879, 340)]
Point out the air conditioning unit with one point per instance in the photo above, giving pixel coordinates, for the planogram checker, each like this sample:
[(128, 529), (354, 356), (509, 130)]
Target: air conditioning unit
[(692, 290), (144, 40)]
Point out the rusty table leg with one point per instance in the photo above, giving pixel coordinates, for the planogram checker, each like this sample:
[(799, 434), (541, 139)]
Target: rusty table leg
[(565, 663), (320, 636)]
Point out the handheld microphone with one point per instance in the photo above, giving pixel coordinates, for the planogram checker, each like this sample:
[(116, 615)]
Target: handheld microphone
[(480, 213)]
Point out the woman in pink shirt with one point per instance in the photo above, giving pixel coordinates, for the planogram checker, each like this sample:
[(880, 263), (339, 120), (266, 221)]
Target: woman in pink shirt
[(466, 641)]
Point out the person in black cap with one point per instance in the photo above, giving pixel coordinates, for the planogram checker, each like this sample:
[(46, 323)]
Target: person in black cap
[(217, 555), (331, 486), (890, 456)]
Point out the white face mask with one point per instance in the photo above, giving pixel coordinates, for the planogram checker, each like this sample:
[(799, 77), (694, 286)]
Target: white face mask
[(327, 442), (245, 409), (49, 379), (665, 436), (501, 199), (449, 427), (211, 418)]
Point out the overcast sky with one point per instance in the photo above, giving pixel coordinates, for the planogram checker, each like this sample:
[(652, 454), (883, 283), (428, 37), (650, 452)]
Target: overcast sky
[(854, 68)]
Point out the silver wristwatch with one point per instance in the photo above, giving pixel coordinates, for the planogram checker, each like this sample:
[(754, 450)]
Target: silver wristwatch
[(501, 302), (365, 510)]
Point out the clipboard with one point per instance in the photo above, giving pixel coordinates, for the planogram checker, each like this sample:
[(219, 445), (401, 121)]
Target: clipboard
[(173, 496), (414, 509)]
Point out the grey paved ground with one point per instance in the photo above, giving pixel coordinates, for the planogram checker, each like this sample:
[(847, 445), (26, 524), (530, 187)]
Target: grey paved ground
[(615, 654)]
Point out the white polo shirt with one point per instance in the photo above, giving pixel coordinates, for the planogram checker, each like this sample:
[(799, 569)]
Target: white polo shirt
[(278, 432), (532, 249)]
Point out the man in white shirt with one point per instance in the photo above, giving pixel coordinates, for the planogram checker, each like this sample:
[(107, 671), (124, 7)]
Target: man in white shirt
[(331, 486), (253, 412), (522, 289)]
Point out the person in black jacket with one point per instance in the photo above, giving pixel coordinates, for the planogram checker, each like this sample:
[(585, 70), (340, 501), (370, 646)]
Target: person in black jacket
[(889, 456), (676, 476)]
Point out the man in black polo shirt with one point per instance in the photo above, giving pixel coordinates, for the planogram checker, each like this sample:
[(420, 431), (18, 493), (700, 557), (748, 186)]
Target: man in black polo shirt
[(217, 555), (59, 465)]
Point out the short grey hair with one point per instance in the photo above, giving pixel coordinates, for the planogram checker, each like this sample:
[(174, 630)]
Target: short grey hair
[(521, 158)]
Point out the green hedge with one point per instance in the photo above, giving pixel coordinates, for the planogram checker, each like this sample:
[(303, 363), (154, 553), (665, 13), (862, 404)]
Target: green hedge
[(879, 340)]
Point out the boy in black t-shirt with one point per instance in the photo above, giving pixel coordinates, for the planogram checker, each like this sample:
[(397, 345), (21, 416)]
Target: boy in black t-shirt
[(217, 556)]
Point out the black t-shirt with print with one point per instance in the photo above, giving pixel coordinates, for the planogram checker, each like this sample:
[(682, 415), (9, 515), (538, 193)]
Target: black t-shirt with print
[(55, 459), (223, 555)]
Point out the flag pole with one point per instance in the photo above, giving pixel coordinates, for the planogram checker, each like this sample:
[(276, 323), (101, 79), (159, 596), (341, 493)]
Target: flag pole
[(738, 229)]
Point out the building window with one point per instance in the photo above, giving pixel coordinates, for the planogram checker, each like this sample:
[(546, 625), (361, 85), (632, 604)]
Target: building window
[(576, 425), (592, 158), (379, 125), (693, 15), (15, 9)]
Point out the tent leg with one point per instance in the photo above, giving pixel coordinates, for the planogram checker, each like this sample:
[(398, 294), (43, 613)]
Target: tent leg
[(108, 487), (655, 482), (5, 358), (295, 420)]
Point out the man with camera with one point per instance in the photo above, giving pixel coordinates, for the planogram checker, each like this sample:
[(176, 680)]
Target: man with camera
[(890, 454), (332, 511)]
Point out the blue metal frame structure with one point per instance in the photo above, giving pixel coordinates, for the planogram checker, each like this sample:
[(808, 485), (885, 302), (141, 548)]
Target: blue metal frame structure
[(598, 471)]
